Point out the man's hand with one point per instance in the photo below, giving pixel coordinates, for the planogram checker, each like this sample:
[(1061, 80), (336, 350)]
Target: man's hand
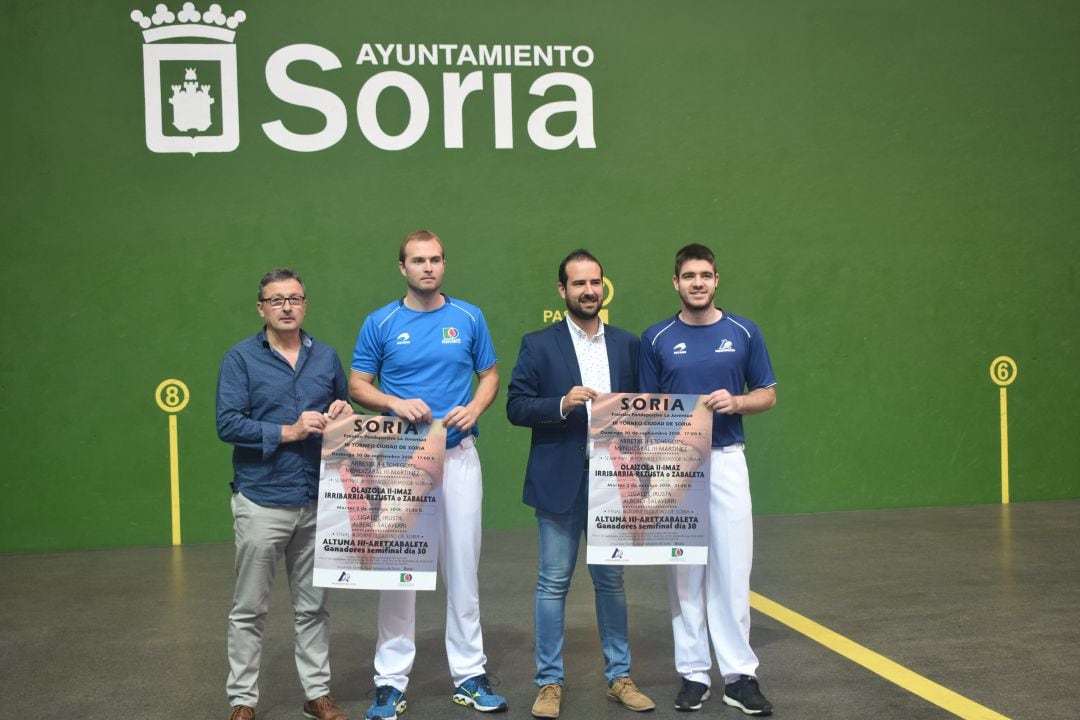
[(756, 401), (310, 422), (577, 395), (337, 409), (413, 409), (722, 401), (461, 418)]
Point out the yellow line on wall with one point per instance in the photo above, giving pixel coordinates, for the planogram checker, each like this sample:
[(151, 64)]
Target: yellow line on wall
[(1003, 371), (172, 396), (1004, 447), (174, 479), (893, 672)]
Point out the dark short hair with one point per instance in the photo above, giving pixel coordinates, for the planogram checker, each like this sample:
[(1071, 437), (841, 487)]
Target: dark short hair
[(575, 256), (276, 275), (419, 235), (694, 251)]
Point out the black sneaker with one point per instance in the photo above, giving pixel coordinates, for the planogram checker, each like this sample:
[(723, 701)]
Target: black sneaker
[(690, 695), (745, 695)]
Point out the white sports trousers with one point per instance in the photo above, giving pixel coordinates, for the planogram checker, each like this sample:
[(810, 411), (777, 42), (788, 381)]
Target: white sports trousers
[(713, 600), (459, 558)]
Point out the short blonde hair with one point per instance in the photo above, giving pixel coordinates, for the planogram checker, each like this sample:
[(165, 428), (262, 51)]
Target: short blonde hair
[(419, 235)]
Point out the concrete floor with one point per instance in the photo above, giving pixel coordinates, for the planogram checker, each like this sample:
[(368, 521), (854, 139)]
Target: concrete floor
[(984, 600)]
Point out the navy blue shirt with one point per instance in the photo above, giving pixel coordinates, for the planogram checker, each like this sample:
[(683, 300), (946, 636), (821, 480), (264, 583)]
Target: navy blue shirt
[(258, 392), (729, 354)]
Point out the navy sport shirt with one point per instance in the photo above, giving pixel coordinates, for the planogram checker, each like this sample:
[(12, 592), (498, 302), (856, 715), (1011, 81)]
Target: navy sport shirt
[(698, 359), (258, 392)]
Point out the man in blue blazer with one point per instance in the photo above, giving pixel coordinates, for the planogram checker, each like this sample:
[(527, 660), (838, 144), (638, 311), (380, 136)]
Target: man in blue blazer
[(559, 370)]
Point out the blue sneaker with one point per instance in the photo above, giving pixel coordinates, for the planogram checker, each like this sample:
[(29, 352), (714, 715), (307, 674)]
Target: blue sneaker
[(389, 701), (477, 692)]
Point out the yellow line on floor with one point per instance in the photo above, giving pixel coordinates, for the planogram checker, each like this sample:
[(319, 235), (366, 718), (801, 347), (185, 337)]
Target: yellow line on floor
[(893, 672)]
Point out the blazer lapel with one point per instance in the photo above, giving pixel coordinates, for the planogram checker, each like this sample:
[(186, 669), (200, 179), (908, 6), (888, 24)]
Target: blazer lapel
[(612, 360), (566, 346)]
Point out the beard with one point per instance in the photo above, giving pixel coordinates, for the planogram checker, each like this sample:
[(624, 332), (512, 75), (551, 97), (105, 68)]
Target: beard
[(698, 302), (575, 307)]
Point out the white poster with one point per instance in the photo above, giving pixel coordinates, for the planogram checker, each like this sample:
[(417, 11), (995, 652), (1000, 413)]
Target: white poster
[(379, 493), (649, 479)]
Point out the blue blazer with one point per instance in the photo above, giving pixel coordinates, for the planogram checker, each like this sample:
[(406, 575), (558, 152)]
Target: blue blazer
[(546, 369)]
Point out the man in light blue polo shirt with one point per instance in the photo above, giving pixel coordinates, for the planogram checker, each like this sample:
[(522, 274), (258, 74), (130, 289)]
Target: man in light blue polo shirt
[(424, 349)]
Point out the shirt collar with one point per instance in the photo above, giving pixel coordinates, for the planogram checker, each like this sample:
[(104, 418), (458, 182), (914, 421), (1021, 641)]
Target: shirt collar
[(305, 339), (581, 334)]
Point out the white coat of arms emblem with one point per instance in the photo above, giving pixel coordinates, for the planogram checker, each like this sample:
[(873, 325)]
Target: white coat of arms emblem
[(192, 53)]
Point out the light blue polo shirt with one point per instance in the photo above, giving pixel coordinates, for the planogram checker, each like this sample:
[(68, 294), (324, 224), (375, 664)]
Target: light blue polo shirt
[(429, 355)]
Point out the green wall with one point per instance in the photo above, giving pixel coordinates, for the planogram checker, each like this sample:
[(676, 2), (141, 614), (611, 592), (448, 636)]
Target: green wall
[(891, 189)]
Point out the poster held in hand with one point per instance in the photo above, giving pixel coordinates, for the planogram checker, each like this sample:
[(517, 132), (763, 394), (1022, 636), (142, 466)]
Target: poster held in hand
[(649, 479), (380, 486)]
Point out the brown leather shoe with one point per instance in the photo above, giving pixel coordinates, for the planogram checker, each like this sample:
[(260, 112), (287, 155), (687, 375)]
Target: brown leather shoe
[(242, 712), (623, 690), (548, 701), (323, 708)]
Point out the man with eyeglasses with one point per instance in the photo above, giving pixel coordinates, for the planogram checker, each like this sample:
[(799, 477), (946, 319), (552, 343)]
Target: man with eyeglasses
[(424, 349), (276, 391)]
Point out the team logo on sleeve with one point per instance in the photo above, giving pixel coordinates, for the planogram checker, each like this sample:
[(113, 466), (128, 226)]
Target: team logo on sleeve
[(451, 335), (199, 113), (725, 346)]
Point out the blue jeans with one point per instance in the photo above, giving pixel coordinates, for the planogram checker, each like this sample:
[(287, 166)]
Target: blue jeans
[(560, 535)]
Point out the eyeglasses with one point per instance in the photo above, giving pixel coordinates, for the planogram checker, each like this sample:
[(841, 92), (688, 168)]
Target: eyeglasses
[(278, 302)]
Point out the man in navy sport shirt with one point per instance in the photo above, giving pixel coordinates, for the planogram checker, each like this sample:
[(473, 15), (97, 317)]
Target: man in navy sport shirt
[(704, 350)]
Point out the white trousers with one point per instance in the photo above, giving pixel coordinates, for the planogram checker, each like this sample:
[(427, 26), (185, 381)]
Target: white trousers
[(459, 558), (263, 535), (714, 599)]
